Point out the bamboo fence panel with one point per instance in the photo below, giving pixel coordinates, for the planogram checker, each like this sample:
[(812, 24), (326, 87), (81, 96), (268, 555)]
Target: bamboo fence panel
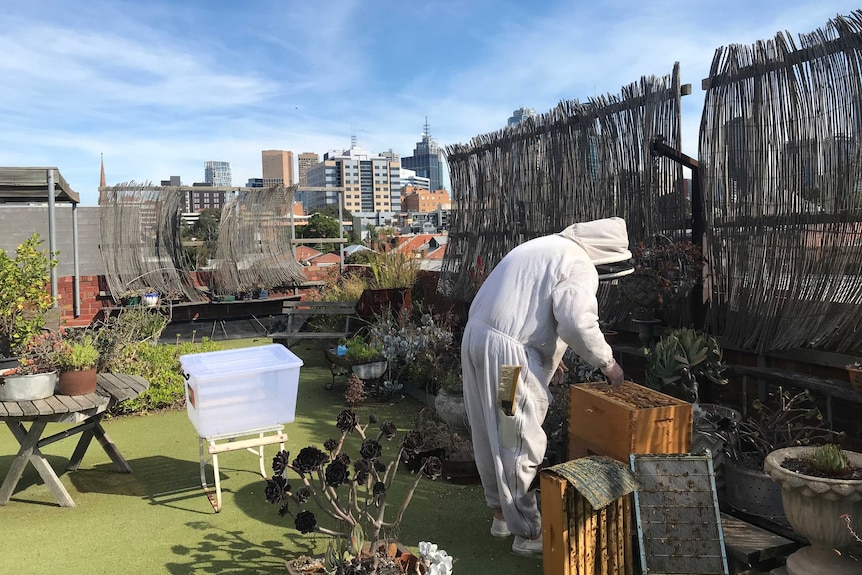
[(140, 242), (255, 247), (577, 162), (781, 165)]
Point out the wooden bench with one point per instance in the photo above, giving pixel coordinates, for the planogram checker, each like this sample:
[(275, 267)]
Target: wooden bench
[(288, 329), (749, 546)]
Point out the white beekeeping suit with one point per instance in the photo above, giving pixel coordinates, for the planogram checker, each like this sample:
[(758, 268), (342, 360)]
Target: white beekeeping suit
[(538, 300)]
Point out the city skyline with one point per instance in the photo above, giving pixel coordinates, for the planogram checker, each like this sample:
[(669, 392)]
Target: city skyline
[(160, 88)]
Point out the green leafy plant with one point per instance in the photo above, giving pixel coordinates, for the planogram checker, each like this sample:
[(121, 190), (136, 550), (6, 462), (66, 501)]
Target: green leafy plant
[(361, 351), (24, 301), (160, 365), (78, 355), (394, 270), (682, 360)]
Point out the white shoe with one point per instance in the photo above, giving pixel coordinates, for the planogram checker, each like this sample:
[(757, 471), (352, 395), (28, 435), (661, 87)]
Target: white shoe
[(522, 546), (499, 528)]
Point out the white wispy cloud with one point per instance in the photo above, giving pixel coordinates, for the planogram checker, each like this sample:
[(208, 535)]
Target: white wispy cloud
[(161, 87)]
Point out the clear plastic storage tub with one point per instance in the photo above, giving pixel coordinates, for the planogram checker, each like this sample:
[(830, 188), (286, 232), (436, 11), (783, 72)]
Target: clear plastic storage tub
[(239, 390)]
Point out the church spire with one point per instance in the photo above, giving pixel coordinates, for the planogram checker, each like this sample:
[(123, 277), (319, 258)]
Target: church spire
[(102, 182)]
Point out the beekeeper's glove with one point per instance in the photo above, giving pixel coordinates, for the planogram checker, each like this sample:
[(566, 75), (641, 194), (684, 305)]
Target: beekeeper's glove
[(613, 373)]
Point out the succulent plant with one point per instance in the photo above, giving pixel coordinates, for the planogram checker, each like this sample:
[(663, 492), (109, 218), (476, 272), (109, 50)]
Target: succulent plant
[(831, 460)]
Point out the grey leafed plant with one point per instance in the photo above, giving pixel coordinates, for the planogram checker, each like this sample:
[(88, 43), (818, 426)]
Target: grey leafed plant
[(350, 491), (414, 346), (682, 360)]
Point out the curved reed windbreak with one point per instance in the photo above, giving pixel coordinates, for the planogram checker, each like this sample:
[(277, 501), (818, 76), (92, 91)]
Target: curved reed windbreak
[(255, 248), (781, 167), (576, 162), (140, 241)]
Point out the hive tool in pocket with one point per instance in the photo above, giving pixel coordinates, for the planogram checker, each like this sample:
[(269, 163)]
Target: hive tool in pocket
[(507, 428)]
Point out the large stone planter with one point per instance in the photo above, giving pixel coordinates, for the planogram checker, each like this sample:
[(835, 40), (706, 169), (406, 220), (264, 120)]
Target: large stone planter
[(27, 387), (450, 408), (369, 370), (815, 507)]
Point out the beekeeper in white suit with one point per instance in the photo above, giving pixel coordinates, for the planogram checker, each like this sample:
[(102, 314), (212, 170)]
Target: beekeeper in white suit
[(538, 300)]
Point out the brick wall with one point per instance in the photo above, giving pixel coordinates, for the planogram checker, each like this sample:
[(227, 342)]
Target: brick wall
[(92, 303)]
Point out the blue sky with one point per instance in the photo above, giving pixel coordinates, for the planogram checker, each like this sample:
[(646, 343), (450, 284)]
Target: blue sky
[(159, 87)]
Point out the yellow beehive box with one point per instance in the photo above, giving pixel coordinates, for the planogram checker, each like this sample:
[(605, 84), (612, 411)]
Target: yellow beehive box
[(627, 419)]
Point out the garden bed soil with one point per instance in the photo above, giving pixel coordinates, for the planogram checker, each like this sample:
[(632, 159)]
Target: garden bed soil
[(803, 466)]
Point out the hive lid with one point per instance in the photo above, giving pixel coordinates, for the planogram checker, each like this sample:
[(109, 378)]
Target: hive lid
[(237, 362), (599, 479)]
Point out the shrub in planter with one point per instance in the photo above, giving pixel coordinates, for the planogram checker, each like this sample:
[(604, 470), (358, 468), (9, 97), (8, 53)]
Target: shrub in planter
[(77, 360), (681, 361), (24, 301)]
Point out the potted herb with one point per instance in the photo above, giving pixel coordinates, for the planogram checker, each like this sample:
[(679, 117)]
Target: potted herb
[(820, 488), (77, 360), (351, 491), (365, 358), (449, 402), (35, 376)]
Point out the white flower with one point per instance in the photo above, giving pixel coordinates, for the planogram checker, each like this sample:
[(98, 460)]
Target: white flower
[(426, 548), (443, 567)]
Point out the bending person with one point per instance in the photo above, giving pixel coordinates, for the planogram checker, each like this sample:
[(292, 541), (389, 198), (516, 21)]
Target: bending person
[(538, 300)]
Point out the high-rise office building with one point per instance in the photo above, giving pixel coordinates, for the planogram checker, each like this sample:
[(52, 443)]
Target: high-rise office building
[(306, 160), (427, 160), (520, 115), (217, 174), (372, 183), (277, 168)]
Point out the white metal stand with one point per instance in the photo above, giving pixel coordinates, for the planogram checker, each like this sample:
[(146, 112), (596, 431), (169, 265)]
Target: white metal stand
[(228, 442)]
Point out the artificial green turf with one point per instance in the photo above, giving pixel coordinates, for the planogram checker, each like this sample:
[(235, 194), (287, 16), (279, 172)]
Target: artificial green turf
[(158, 520)]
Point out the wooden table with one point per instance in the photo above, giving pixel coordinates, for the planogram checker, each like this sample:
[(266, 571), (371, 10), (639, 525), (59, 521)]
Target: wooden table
[(85, 410)]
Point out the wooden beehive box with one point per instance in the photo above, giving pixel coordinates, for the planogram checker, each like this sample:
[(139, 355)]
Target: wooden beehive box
[(576, 539), (628, 419)]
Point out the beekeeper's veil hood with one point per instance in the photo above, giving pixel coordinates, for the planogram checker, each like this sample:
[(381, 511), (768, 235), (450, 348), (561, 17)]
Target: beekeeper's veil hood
[(606, 243)]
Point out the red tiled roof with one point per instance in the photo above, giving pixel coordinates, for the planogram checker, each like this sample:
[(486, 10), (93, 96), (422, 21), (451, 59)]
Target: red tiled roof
[(305, 253)]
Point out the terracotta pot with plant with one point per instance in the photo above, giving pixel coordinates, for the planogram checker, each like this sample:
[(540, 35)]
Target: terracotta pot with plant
[(854, 373), (821, 490), (77, 361)]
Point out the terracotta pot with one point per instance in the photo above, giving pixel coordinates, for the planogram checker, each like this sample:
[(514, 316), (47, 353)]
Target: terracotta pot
[(373, 302), (855, 376), (78, 382)]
